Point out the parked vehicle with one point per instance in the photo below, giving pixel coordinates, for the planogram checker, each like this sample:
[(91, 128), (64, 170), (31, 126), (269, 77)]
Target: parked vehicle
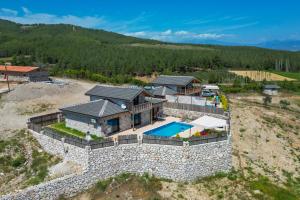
[(207, 93)]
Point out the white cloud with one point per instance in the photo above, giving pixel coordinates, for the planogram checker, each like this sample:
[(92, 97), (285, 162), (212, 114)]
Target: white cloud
[(209, 36), (137, 34), (9, 12), (177, 36), (167, 32), (26, 10), (125, 27), (234, 27), (181, 33), (45, 18)]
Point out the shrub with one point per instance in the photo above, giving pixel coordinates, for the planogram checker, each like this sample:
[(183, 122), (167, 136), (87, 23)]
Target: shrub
[(271, 190), (267, 100), (284, 103), (177, 136), (18, 161), (102, 185), (197, 134), (224, 102), (150, 182)]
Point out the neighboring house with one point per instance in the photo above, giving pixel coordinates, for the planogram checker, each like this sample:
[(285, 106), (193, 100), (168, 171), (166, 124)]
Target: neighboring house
[(271, 89), (213, 88), (182, 85), (23, 73), (161, 91), (113, 109)]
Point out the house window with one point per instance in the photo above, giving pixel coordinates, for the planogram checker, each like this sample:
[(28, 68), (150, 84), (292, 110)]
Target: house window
[(114, 125), (136, 100)]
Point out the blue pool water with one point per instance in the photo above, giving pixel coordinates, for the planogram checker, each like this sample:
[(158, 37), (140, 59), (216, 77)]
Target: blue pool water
[(169, 130)]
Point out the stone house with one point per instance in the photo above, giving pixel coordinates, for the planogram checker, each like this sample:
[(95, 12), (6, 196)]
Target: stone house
[(113, 109), (181, 85)]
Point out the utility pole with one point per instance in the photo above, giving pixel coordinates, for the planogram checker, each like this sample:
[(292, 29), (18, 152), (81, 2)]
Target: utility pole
[(7, 77)]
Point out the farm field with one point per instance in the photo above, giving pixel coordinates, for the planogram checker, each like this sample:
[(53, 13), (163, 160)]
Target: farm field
[(261, 75), (293, 75)]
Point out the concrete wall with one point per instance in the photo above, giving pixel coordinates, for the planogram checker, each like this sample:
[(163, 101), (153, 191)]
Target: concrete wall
[(181, 163), (189, 114), (16, 78), (195, 100)]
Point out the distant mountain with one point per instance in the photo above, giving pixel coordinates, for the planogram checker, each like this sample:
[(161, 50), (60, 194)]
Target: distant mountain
[(289, 45), (82, 52)]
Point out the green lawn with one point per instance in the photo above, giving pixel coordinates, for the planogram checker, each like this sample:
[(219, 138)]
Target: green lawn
[(294, 75), (62, 129)]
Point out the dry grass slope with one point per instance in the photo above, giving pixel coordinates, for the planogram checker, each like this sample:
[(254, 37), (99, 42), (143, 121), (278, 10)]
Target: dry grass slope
[(261, 75)]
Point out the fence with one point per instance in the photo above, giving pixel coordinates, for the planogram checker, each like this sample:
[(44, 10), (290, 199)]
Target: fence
[(207, 139), (79, 142), (149, 139), (106, 142), (36, 123), (127, 139), (131, 139), (196, 108)]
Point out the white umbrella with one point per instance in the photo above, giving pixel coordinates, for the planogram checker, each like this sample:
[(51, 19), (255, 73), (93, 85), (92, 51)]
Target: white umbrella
[(209, 122)]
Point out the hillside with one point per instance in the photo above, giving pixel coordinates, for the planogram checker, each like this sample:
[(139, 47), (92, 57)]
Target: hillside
[(71, 47)]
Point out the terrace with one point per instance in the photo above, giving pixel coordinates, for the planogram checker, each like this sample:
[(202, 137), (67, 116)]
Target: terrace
[(60, 128)]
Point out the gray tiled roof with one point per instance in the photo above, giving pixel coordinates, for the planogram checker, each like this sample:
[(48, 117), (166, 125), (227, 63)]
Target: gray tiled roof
[(162, 91), (173, 80), (98, 108), (114, 92), (154, 100)]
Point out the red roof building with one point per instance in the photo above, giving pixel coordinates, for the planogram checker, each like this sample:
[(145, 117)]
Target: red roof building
[(18, 69), (23, 73)]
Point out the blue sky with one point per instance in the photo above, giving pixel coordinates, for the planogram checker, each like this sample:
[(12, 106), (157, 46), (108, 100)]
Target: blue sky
[(229, 21)]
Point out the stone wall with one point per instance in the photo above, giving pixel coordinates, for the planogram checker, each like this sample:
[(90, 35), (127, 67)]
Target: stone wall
[(180, 163), (64, 150), (189, 114), (146, 118), (82, 123), (124, 122)]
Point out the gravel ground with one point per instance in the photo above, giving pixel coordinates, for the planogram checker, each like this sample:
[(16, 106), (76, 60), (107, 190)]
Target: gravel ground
[(32, 99)]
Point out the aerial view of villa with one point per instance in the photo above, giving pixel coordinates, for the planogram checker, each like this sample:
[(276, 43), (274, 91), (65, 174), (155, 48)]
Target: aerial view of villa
[(149, 100), (113, 109)]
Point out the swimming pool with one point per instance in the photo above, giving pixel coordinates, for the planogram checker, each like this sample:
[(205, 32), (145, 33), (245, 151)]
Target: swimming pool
[(169, 130)]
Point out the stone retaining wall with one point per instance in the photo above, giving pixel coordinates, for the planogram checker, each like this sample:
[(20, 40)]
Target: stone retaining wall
[(180, 163), (64, 150)]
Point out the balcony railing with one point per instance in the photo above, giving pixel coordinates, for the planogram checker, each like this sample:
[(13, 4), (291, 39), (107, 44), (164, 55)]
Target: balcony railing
[(141, 107), (189, 91)]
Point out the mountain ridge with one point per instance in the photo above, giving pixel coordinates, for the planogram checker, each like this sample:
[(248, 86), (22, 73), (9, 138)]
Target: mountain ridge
[(70, 47)]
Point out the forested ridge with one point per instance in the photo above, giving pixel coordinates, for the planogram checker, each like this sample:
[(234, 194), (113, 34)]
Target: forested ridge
[(72, 48)]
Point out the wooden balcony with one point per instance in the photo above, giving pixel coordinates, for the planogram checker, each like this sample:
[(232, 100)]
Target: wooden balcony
[(141, 107), (189, 91)]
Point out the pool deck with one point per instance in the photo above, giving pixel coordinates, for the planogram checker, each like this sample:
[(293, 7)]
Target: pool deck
[(141, 130)]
